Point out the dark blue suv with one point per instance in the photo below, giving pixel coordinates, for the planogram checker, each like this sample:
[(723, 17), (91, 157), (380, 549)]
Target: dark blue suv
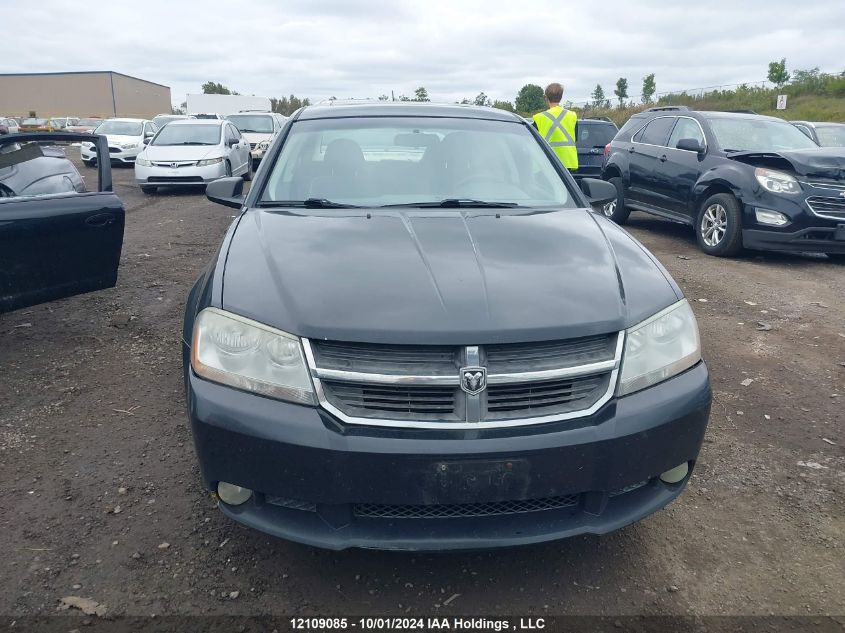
[(740, 179)]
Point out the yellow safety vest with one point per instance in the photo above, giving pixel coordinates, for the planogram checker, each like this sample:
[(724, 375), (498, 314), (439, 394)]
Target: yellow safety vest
[(557, 126)]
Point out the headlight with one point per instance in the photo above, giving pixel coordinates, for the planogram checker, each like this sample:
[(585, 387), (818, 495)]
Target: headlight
[(660, 347), (248, 355), (777, 181), (143, 162), (264, 145), (209, 161)]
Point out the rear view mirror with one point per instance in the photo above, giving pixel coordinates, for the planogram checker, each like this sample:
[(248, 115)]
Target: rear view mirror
[(226, 191), (690, 145), (598, 192)]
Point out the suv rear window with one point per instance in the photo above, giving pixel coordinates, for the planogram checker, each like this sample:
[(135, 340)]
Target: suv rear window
[(591, 134)]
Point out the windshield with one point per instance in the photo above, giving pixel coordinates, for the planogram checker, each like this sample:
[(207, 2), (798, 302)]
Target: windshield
[(94, 122), (119, 128), (407, 161), (831, 135), (758, 135), (34, 122), (260, 124), (202, 134)]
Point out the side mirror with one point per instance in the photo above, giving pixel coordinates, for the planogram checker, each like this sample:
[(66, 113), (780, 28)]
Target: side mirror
[(232, 142), (690, 145), (227, 191), (147, 140), (598, 192)]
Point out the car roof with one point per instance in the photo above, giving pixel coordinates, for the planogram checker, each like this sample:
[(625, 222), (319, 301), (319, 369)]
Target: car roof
[(127, 120), (336, 109), (217, 122)]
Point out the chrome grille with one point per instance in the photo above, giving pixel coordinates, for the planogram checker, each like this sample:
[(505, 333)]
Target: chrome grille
[(405, 401), (420, 385), (551, 396), (827, 207), (462, 510), (549, 355)]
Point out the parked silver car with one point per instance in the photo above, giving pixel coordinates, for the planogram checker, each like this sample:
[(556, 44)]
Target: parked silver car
[(193, 152), (259, 128)]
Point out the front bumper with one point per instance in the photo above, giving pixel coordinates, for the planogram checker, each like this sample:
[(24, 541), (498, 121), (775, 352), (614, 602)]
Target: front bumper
[(807, 231), (811, 240), (116, 154), (317, 481), (191, 175)]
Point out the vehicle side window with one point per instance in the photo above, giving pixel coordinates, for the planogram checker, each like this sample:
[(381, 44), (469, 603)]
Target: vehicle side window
[(656, 132), (686, 128), (32, 169), (149, 129), (235, 132)]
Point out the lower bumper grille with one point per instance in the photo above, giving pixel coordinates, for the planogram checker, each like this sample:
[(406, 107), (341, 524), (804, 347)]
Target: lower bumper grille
[(176, 179), (462, 510)]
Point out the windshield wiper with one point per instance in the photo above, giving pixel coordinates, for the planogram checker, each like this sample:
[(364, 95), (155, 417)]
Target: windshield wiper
[(456, 203), (308, 203), (192, 143)]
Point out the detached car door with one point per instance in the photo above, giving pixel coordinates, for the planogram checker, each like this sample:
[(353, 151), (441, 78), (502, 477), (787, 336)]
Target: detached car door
[(57, 238)]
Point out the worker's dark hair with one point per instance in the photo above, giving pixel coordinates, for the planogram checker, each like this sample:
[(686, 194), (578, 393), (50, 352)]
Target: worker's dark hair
[(554, 93)]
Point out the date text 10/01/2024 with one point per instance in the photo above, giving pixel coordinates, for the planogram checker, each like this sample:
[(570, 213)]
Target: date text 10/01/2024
[(417, 624)]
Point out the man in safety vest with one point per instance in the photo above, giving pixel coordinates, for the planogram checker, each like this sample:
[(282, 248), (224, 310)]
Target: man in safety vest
[(557, 126)]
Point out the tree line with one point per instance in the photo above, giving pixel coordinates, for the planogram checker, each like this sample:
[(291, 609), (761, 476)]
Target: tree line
[(530, 99)]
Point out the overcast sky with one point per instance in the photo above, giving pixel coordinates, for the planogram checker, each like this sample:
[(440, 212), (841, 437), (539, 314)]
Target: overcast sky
[(455, 48)]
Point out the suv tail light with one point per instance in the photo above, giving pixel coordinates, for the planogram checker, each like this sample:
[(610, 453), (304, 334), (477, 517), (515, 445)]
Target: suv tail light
[(607, 149)]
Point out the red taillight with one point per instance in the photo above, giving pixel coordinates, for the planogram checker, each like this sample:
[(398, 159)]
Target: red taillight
[(607, 149)]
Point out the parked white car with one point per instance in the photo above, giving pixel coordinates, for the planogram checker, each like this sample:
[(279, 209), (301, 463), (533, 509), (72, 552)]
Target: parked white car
[(193, 152), (11, 125), (126, 140), (259, 128)]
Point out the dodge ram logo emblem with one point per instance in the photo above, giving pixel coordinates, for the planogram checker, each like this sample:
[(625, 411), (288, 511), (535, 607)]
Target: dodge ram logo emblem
[(473, 379)]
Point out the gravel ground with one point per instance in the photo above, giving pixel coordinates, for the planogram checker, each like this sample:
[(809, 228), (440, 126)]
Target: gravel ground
[(101, 495)]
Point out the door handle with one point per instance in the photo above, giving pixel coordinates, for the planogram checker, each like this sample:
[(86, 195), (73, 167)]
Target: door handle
[(631, 149), (662, 159), (99, 220)]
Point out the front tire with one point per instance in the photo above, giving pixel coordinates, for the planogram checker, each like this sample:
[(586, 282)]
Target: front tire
[(89, 163), (718, 226), (148, 190), (248, 174), (227, 169), (616, 209), (836, 257)]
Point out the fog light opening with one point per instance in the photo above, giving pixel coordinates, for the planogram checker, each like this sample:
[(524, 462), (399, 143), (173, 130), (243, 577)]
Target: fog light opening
[(773, 218), (675, 474), (233, 495)]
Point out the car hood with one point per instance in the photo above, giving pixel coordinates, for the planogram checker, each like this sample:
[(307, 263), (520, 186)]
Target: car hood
[(180, 152), (444, 276), (824, 162), (121, 138)]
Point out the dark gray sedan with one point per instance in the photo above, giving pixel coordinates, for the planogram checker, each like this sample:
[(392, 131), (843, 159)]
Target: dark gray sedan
[(417, 335)]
